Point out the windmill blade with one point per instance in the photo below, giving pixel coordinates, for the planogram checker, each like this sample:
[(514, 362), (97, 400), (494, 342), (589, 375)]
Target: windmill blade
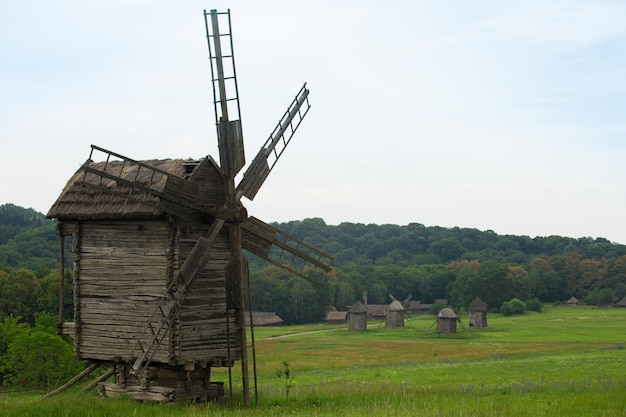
[(286, 251), (225, 92), (275, 145)]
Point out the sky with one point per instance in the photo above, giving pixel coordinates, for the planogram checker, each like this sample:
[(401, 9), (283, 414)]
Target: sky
[(496, 115)]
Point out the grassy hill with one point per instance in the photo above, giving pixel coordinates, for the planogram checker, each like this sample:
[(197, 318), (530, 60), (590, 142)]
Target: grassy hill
[(563, 362)]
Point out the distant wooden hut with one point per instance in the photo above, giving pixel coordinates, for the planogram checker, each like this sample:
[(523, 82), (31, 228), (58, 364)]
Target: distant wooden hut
[(357, 317), (417, 307), (264, 318), (621, 303), (395, 315), (336, 317), (446, 321), (573, 302), (478, 313), (376, 311)]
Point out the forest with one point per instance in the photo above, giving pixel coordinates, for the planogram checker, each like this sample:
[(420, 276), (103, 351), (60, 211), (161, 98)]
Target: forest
[(423, 262)]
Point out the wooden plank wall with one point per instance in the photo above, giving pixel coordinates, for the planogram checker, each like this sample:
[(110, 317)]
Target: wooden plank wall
[(201, 330), (123, 274), (210, 184), (123, 270)]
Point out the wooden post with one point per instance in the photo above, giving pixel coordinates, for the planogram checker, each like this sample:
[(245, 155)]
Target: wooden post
[(62, 282), (59, 328)]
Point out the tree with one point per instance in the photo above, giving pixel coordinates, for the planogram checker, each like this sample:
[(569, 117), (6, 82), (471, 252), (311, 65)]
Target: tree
[(447, 249), (345, 295), (10, 328), (490, 282), (521, 282), (304, 306), (17, 294), (599, 297)]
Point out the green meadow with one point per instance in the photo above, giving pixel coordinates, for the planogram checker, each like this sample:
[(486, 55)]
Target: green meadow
[(562, 362)]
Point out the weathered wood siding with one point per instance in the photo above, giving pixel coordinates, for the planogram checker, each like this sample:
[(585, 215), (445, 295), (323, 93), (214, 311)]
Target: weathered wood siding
[(446, 325), (394, 319), (201, 331), (357, 321), (122, 273)]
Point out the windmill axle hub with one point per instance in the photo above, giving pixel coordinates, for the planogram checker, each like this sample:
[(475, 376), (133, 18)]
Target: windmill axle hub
[(237, 214)]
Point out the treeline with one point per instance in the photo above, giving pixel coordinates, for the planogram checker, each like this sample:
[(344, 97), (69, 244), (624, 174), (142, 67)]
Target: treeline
[(27, 239), (429, 263), (426, 263)]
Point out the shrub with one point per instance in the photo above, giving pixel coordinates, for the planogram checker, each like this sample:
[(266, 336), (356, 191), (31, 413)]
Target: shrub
[(436, 308), (513, 307), (599, 297), (38, 360), (534, 305)]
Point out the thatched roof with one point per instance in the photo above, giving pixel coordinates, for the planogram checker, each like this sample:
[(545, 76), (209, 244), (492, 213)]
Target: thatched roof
[(83, 202), (376, 310), (358, 308), (418, 307), (262, 318), (573, 301), (396, 306), (478, 305), (336, 316), (447, 313)]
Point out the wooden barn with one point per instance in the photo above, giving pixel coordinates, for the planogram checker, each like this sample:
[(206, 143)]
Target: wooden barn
[(446, 321), (478, 313), (357, 317), (395, 315), (264, 318), (336, 317)]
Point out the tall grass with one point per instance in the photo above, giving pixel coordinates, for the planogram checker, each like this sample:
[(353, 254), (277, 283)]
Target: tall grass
[(565, 362)]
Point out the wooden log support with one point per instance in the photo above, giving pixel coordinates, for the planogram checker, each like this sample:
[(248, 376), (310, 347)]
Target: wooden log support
[(72, 381)]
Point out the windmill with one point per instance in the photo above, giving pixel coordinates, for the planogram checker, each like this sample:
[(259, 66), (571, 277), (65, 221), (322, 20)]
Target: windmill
[(161, 281)]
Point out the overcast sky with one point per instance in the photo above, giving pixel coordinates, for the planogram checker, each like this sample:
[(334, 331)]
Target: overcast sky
[(500, 115)]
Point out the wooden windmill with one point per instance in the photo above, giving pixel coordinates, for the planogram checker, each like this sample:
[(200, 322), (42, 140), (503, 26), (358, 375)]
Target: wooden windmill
[(160, 277)]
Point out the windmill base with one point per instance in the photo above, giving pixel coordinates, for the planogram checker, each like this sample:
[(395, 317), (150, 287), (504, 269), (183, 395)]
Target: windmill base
[(163, 384)]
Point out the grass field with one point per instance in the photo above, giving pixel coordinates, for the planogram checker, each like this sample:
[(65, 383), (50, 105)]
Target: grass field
[(563, 362)]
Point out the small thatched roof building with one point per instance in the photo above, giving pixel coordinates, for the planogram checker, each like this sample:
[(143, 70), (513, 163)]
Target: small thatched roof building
[(395, 314), (336, 317), (573, 301), (478, 313), (357, 317), (446, 321)]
